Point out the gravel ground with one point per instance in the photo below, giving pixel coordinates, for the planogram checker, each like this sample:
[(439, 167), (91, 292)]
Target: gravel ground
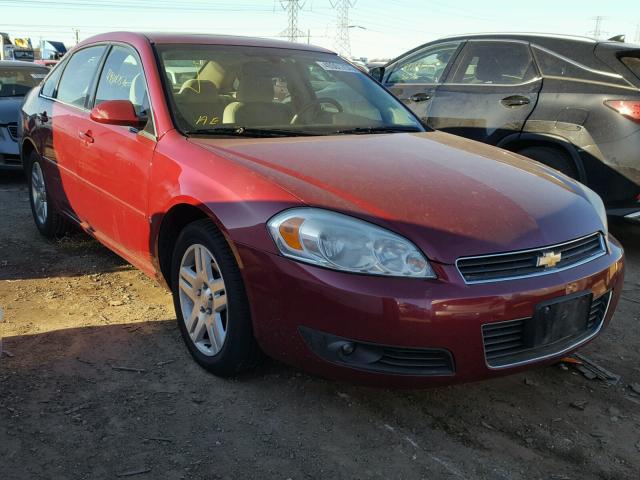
[(95, 383)]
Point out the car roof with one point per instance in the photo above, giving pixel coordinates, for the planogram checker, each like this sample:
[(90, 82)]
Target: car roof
[(202, 39), (20, 64), (522, 36)]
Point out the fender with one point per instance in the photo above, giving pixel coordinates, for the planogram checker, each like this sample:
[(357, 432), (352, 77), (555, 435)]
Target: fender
[(511, 142), (22, 145), (157, 222)]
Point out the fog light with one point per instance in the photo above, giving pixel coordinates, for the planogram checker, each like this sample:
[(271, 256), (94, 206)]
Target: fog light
[(348, 348)]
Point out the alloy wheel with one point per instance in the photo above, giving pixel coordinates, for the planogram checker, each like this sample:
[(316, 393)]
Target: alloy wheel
[(203, 299), (39, 193)]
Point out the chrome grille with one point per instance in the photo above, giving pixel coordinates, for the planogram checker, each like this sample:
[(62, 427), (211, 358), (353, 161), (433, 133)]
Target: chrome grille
[(13, 130), (505, 343), (526, 263)]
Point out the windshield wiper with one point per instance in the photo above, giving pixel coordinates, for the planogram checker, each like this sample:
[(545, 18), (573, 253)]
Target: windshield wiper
[(248, 132), (367, 130)]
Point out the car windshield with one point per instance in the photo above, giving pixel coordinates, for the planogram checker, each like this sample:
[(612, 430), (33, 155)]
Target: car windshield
[(16, 82), (261, 91)]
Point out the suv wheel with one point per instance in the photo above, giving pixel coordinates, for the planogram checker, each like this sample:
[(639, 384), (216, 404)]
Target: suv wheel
[(552, 157), (49, 221), (211, 305)]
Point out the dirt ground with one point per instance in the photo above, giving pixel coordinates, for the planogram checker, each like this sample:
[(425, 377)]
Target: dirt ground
[(95, 383)]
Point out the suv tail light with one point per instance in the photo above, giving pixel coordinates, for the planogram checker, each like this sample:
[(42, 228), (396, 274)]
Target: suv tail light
[(626, 108)]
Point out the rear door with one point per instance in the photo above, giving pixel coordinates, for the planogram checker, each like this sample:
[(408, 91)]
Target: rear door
[(114, 165), (489, 92), (68, 113), (414, 78)]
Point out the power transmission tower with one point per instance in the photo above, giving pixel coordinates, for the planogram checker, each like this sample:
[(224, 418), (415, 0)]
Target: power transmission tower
[(76, 34), (597, 29), (343, 44), (637, 39), (292, 7)]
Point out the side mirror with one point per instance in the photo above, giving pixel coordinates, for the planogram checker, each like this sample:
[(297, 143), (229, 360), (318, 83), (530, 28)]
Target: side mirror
[(377, 73), (117, 112)]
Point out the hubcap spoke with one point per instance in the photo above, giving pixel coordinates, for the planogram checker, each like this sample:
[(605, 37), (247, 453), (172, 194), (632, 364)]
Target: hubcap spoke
[(189, 322), (217, 286), (200, 328), (207, 260), (216, 331), (188, 283), (219, 303)]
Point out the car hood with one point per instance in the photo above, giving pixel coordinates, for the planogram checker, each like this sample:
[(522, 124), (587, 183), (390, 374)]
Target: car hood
[(451, 196), (10, 109)]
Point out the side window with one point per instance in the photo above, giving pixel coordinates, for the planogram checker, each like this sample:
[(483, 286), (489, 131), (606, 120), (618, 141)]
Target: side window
[(50, 84), (424, 67), (122, 79), (554, 65), (500, 63), (78, 75), (633, 63)]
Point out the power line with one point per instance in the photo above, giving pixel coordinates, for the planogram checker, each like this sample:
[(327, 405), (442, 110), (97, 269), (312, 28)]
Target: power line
[(292, 7), (343, 43)]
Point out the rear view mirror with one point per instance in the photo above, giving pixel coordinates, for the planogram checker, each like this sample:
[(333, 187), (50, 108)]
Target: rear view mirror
[(117, 112), (377, 73)]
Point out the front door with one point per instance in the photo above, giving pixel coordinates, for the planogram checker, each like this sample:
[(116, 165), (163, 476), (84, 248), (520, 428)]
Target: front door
[(115, 162), (414, 79), (489, 92)]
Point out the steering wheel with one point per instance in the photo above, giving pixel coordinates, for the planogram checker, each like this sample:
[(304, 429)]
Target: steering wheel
[(315, 106)]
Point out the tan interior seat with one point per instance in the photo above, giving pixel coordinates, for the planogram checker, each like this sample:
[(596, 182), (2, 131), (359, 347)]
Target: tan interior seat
[(255, 105), (138, 95), (199, 103)]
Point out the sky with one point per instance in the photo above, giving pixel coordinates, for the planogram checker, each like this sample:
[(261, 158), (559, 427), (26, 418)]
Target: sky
[(380, 28)]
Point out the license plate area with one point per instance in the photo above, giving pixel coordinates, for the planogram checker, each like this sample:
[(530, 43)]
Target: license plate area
[(558, 319)]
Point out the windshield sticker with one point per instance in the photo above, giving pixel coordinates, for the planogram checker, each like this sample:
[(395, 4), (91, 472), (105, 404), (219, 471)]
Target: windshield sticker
[(38, 75), (337, 67)]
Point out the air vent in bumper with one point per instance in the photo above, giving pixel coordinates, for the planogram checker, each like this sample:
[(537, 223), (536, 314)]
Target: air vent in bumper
[(13, 130), (379, 358)]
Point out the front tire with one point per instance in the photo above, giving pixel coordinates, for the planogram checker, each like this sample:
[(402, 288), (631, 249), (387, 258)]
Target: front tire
[(48, 220), (211, 304)]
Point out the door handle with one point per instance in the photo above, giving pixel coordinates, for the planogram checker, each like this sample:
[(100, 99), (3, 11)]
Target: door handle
[(515, 101), (86, 136), (420, 97)]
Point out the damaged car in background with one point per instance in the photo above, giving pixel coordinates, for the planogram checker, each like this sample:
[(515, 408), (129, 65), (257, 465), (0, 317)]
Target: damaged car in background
[(16, 79), (572, 103)]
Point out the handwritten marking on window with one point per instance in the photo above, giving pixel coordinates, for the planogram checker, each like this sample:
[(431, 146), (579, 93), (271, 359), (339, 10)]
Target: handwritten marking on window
[(204, 120)]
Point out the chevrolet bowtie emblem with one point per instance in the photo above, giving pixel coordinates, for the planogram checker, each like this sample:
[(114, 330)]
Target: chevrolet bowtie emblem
[(549, 259)]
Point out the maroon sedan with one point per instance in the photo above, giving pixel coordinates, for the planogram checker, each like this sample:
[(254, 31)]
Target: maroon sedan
[(326, 227)]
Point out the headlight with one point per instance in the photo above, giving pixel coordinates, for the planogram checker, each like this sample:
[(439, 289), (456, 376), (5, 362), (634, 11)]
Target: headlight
[(340, 242), (596, 201)]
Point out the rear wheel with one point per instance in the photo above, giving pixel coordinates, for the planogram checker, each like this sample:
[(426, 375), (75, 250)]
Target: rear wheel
[(211, 305), (48, 220), (552, 157)]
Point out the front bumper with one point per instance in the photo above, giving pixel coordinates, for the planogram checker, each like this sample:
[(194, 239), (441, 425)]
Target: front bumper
[(291, 299), (9, 151)]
